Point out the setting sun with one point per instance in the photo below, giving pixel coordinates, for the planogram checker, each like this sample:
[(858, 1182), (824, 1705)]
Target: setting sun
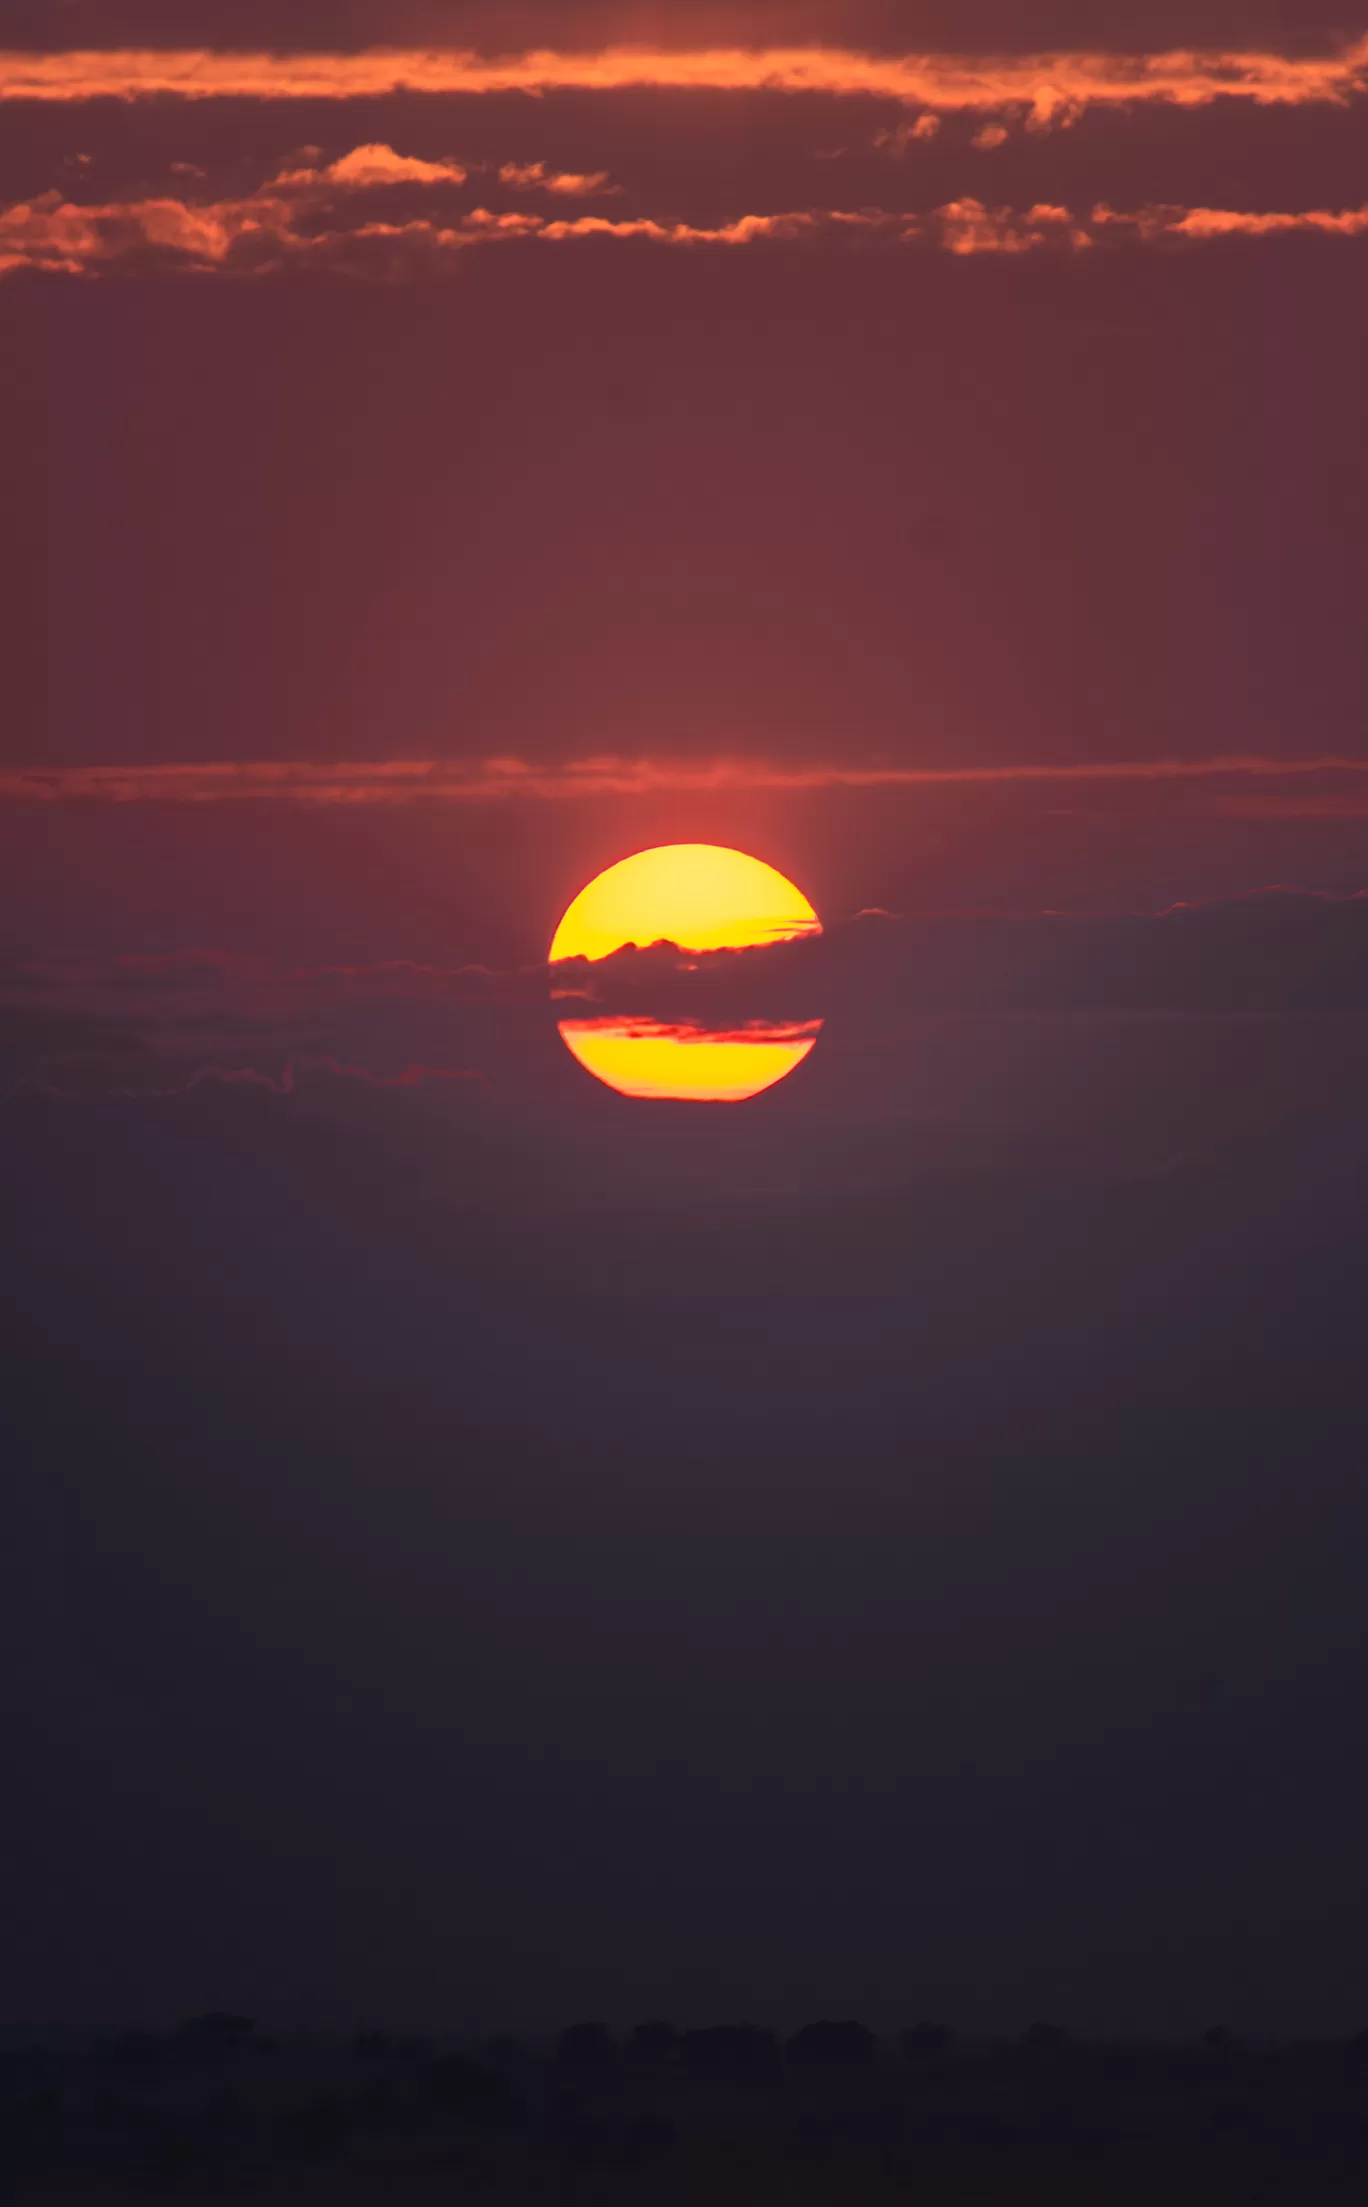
[(701, 897), (641, 1058), (698, 895)]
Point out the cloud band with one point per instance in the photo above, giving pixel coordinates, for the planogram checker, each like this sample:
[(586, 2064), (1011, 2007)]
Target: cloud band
[(1046, 86), (407, 781), (328, 217)]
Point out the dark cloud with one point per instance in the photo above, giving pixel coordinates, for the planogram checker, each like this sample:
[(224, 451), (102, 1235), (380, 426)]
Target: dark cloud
[(1122, 1045), (145, 1024), (1271, 953)]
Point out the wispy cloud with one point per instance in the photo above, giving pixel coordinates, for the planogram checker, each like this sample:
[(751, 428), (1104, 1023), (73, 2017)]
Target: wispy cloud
[(480, 781), (1326, 804), (1228, 222), (332, 215), (967, 226), (534, 176), (1047, 87)]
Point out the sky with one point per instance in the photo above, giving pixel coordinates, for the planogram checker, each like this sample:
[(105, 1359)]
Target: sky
[(483, 1548)]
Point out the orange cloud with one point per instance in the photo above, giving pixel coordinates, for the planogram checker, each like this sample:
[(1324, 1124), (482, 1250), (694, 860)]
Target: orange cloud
[(1226, 222), (52, 233), (967, 226), (1048, 87), (745, 230), (303, 215), (367, 165), (405, 781), (534, 176)]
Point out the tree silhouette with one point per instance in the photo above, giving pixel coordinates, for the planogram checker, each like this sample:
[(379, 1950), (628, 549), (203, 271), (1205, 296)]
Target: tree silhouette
[(925, 2041), (655, 2042), (216, 2036), (732, 2053), (832, 2045), (588, 2048)]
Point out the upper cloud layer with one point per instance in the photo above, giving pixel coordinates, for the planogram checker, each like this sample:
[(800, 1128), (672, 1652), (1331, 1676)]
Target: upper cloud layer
[(1045, 86)]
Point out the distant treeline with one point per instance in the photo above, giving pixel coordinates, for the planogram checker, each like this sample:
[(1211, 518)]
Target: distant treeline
[(734, 2110)]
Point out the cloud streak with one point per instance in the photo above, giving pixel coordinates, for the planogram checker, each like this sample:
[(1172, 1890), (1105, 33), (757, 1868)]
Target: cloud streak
[(335, 216), (562, 184), (1203, 223), (481, 781), (1047, 87)]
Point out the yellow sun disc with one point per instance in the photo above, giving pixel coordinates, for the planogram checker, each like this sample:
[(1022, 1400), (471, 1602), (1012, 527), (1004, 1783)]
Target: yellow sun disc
[(698, 895), (642, 1058)]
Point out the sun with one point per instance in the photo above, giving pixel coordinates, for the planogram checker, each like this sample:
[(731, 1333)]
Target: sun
[(685, 1064), (700, 896)]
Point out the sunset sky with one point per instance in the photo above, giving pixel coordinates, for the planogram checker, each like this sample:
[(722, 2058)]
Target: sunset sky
[(485, 1546)]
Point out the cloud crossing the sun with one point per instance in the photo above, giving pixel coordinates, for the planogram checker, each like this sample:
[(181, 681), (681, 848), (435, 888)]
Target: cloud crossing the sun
[(111, 1027)]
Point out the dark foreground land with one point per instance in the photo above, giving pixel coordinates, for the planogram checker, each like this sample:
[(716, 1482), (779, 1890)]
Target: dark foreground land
[(215, 2111)]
